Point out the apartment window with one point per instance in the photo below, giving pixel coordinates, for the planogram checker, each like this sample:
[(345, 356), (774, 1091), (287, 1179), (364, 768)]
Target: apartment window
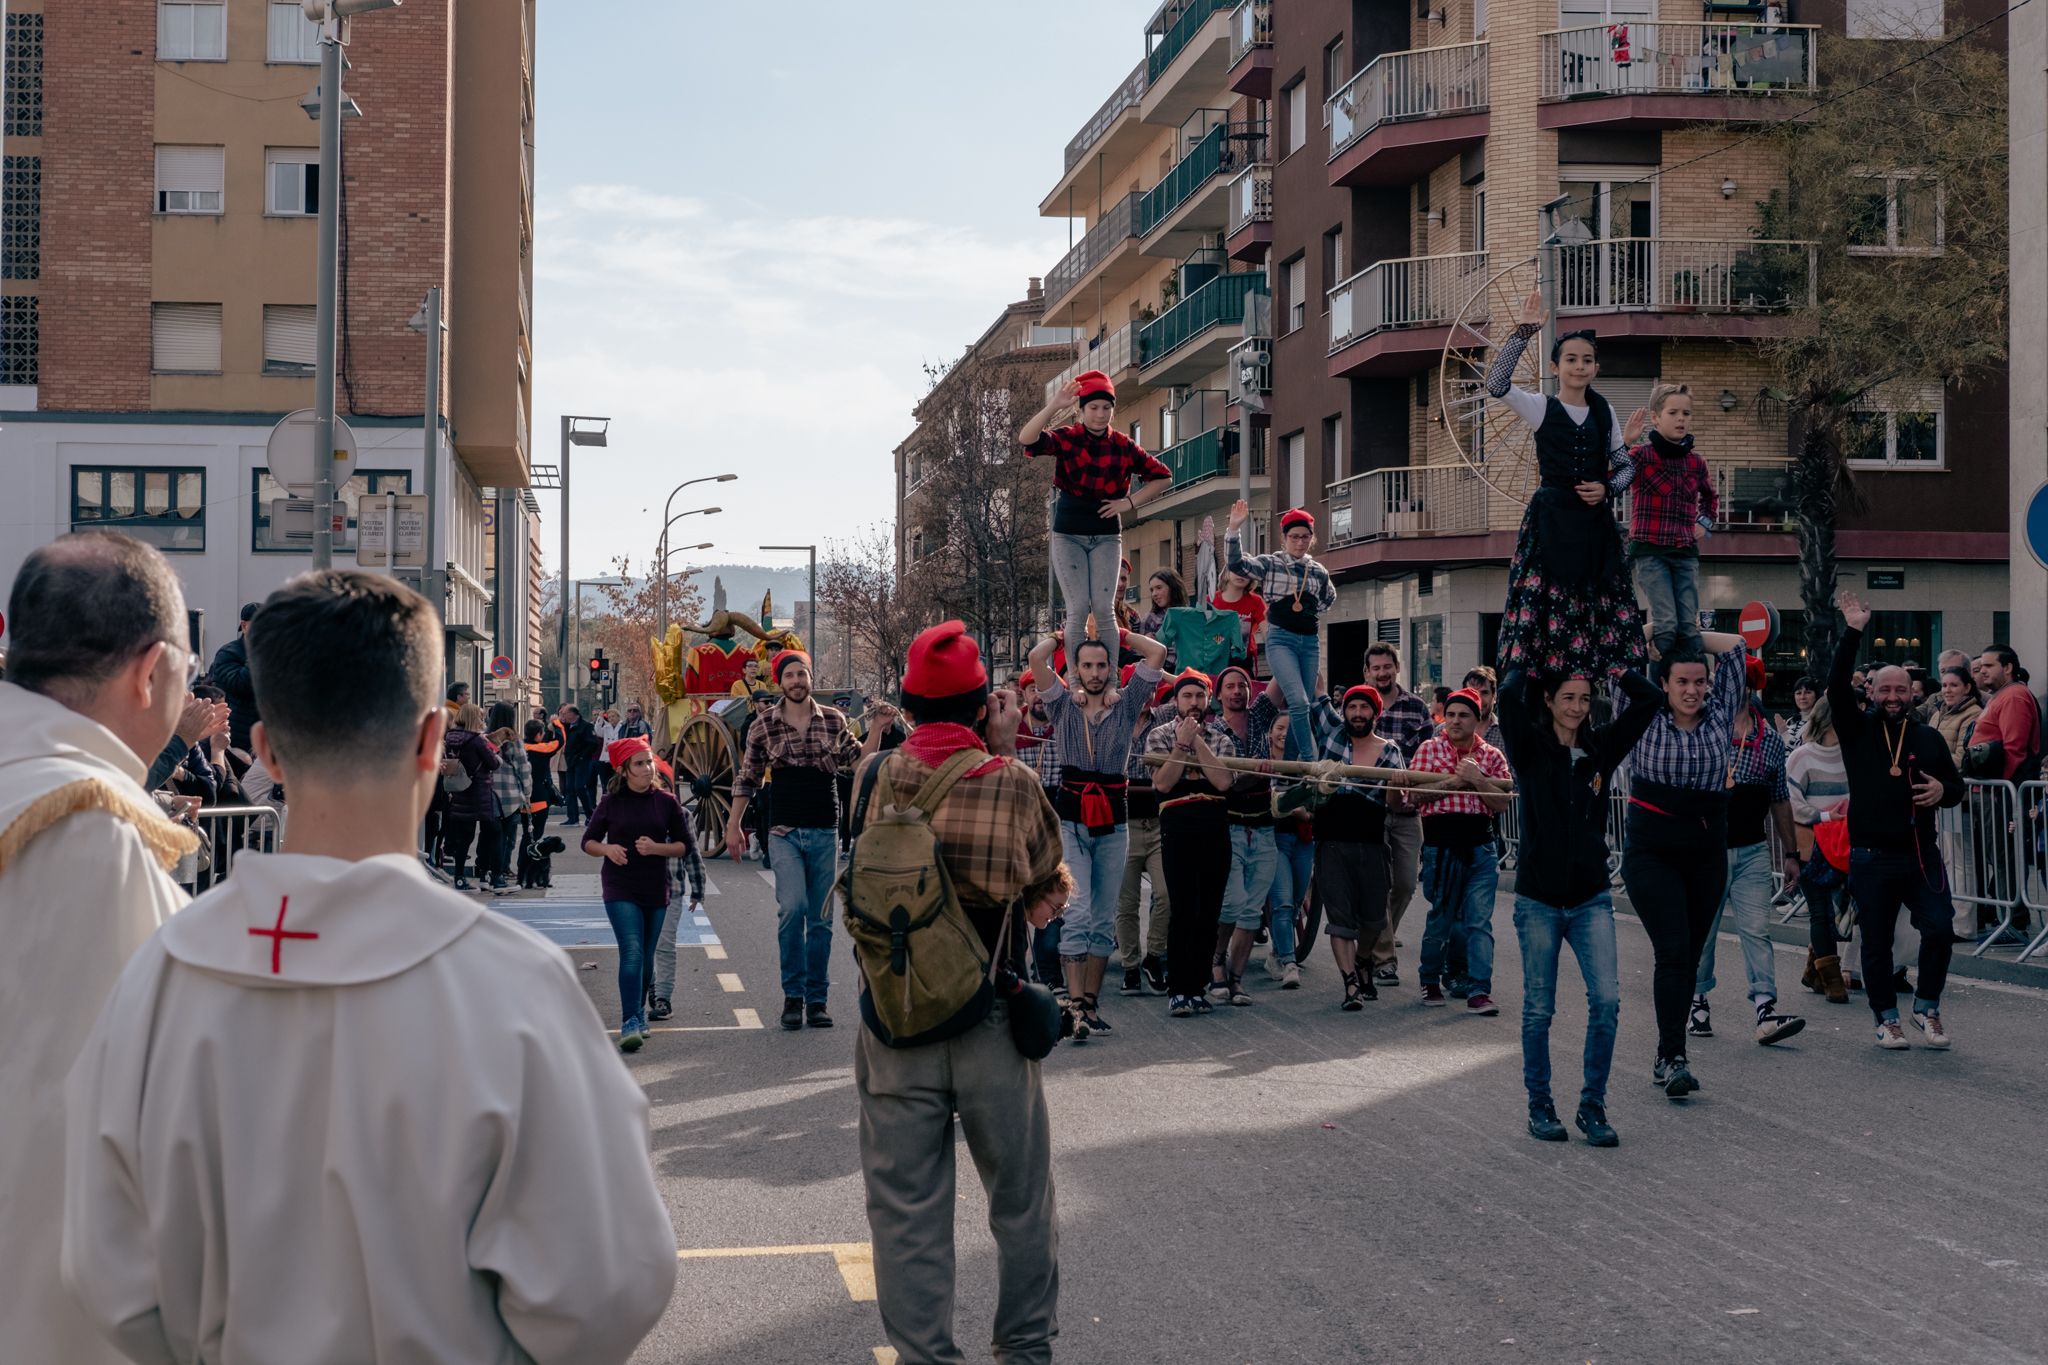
[(295, 532), (1426, 651), (293, 37), (1334, 74), (24, 81), (163, 507), (292, 178), (1475, 219), (1333, 449), (20, 338), (1478, 18), (184, 338), (1294, 104), (1900, 215), (1901, 427), (1333, 263), (289, 338), (188, 179), (1294, 287), (191, 30), (21, 228), (1895, 19), (1294, 455)]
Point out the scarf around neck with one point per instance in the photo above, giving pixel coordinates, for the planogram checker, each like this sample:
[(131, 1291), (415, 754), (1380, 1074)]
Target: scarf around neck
[(1670, 450)]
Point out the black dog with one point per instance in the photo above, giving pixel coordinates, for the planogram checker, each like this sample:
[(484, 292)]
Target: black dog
[(537, 860)]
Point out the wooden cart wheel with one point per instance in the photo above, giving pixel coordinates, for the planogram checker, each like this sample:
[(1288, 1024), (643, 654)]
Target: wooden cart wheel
[(706, 763)]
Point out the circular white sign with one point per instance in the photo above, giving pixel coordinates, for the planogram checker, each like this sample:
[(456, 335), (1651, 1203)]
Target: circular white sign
[(290, 452)]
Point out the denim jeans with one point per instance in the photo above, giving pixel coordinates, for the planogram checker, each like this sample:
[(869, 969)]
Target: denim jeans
[(1543, 930), (1297, 866), (636, 927), (804, 862), (1292, 654), (1460, 894), (1749, 891), (1097, 862), (1254, 863), (1087, 568), (1668, 577)]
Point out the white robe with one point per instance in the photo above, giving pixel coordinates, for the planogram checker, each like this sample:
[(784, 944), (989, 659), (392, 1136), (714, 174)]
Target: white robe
[(83, 853), (405, 1138)]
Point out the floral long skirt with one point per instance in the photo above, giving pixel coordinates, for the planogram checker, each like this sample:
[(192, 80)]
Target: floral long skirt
[(1559, 629)]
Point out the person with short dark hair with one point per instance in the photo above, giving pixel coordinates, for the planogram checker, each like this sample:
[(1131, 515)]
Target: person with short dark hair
[(580, 748), (1351, 844), (1460, 869), (230, 673), (1194, 835), (1407, 721), (96, 682), (2012, 717)]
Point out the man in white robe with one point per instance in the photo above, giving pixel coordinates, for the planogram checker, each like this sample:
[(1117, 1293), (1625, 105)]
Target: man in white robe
[(337, 1113), (97, 681)]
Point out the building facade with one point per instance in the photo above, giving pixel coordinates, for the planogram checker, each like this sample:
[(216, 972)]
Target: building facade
[(162, 189)]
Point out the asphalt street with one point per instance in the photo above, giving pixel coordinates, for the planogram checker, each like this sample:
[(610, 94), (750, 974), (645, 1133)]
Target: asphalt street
[(1288, 1182)]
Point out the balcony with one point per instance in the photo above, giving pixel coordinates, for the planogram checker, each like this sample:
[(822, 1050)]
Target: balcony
[(1101, 256), (1663, 75), (1251, 49), (1394, 317), (1115, 355), (1114, 134), (1675, 287), (1205, 465), (1251, 213), (1755, 495), (1189, 339), (1406, 112), (1187, 58), (1191, 202)]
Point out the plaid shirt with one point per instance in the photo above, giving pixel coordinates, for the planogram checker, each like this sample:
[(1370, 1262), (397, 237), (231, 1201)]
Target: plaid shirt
[(1095, 468), (1337, 749), (1407, 723), (1760, 759), (1695, 759), (1670, 497), (1437, 756), (512, 783), (826, 743), (688, 869), (1159, 740), (1040, 751), (1280, 574)]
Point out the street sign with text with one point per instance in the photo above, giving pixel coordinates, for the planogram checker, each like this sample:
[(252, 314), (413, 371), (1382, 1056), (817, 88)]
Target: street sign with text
[(377, 536)]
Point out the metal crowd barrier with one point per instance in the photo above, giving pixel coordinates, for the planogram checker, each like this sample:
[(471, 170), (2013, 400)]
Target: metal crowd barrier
[(2033, 863), (225, 832)]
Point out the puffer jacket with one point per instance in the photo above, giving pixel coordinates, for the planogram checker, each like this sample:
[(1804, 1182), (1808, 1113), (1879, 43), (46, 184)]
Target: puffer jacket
[(479, 759), (1955, 726)]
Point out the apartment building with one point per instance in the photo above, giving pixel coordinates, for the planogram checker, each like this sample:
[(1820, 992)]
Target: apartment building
[(157, 319)]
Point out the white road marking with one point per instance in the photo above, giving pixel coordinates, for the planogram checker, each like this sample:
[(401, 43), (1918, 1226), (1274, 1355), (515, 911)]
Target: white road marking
[(730, 983), (766, 876), (746, 1018), (715, 952)]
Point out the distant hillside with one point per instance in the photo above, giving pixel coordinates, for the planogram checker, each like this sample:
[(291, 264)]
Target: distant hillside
[(744, 584)]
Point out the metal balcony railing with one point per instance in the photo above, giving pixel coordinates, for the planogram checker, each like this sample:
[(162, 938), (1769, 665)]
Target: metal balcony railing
[(1684, 275), (1414, 291), (1252, 360), (1108, 234), (1211, 454), (1224, 300), (1224, 147), (1175, 26), (1112, 355), (1251, 27), (1665, 58), (1404, 85), (1251, 197), (1755, 495), (1125, 96)]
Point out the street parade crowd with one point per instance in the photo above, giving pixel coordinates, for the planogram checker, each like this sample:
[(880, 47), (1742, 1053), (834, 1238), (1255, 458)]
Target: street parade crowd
[(240, 1081)]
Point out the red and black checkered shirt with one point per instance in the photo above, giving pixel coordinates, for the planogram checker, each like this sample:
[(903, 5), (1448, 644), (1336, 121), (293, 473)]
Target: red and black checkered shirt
[(1669, 497), (1096, 468)]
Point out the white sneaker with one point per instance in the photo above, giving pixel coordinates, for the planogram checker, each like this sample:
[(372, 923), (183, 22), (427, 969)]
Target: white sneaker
[(1290, 980), (1930, 1026), (1275, 970), (1891, 1037)]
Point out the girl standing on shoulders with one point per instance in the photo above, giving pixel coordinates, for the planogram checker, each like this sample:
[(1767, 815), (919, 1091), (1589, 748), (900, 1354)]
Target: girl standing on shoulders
[(1298, 593)]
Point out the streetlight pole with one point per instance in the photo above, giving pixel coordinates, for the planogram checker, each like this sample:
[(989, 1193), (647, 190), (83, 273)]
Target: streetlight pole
[(811, 634), (666, 522), (324, 291), (572, 435)]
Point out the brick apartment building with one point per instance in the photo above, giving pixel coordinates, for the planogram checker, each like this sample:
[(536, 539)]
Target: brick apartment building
[(156, 312), (1394, 158)]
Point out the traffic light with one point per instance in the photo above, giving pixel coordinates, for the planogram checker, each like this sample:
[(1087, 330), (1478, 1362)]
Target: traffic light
[(597, 668)]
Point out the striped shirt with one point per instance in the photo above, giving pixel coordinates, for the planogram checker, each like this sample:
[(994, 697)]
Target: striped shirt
[(1103, 745), (1695, 759), (1818, 781)]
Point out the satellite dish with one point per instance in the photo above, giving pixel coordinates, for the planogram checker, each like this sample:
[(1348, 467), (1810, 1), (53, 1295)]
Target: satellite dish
[(290, 452)]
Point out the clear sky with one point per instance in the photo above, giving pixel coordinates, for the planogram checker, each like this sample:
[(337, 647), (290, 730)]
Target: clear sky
[(757, 220)]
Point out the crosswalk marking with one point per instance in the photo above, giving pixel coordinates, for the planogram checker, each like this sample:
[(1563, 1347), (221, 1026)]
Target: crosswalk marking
[(855, 1261), (747, 1018), (729, 982)]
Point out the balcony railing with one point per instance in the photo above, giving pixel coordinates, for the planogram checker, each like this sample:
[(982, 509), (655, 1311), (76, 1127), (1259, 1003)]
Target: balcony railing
[(1248, 368), (1110, 231), (1251, 197), (1755, 495), (1209, 456), (1112, 355), (1678, 275), (1224, 147), (1126, 96), (1405, 85), (1251, 27), (1662, 58), (1224, 300), (1415, 291), (1175, 26)]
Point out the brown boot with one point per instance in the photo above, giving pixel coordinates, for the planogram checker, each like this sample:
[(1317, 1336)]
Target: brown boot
[(1829, 969), (1810, 978)]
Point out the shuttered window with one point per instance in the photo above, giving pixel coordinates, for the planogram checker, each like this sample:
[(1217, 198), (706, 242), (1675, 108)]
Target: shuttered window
[(289, 338), (188, 179), (185, 338)]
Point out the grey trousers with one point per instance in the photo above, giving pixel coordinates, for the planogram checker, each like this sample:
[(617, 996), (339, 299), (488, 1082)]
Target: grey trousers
[(908, 1099), (1143, 860), (1404, 865)]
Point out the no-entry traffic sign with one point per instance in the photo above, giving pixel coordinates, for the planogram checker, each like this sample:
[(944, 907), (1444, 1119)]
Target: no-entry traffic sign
[(501, 667), (1758, 624)]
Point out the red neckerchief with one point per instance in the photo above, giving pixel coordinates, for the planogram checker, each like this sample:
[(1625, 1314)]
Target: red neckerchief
[(934, 743)]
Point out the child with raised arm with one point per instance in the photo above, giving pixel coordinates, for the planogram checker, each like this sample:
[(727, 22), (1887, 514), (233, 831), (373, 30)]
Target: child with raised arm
[(1672, 510)]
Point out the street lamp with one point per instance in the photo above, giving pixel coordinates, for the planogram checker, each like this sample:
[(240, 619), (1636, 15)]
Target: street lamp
[(573, 434), (810, 635), (661, 554), (427, 322)]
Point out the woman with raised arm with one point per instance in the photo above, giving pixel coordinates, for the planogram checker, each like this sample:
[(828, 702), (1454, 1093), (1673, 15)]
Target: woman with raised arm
[(1570, 606)]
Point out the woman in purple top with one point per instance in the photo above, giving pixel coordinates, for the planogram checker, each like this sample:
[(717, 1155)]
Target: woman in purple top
[(636, 829)]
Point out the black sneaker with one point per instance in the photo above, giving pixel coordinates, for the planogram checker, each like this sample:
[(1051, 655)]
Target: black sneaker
[(1459, 988), (1134, 982), (1678, 1079), (1202, 1005), (1592, 1121), (1155, 974), (1543, 1124), (658, 1008), (792, 1012), (1388, 975), (1773, 1027), (816, 1017), (1699, 1023)]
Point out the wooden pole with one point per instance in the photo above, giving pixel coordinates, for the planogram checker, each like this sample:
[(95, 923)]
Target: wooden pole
[(1392, 777)]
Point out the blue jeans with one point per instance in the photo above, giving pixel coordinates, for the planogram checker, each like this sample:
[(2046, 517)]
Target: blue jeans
[(804, 862), (636, 927), (1087, 569), (1668, 577), (1097, 862), (1254, 863), (1292, 654), (1460, 895), (1297, 865), (1749, 890), (1543, 930)]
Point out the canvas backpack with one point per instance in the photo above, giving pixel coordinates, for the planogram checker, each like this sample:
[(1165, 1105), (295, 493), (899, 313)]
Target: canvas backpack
[(923, 966)]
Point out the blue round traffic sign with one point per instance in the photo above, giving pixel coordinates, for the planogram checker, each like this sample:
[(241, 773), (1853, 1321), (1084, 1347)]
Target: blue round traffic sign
[(2037, 525)]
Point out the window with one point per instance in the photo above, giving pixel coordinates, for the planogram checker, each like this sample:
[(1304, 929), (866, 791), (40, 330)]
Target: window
[(1334, 74), (163, 507), (184, 338), (296, 533), (1294, 455), (24, 80), (1426, 651), (188, 179), (293, 37), (21, 227), (1333, 449), (20, 338), (1895, 19), (1294, 101), (290, 337), (292, 179), (1333, 262), (1900, 215), (1294, 287), (1899, 427), (191, 31), (1475, 219)]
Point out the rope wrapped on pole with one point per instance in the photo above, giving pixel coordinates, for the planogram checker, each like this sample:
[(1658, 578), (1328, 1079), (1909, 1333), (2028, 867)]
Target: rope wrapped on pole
[(1329, 775)]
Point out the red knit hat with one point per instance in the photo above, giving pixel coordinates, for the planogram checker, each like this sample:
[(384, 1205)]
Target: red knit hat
[(944, 662), (1753, 670), (1293, 517), (784, 658), (620, 751), (1025, 679), (1093, 384), (1468, 696), (1191, 676), (1369, 692)]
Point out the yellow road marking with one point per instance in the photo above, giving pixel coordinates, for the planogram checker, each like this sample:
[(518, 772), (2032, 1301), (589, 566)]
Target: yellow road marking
[(885, 1355), (730, 983), (854, 1259), (714, 951), (746, 1018)]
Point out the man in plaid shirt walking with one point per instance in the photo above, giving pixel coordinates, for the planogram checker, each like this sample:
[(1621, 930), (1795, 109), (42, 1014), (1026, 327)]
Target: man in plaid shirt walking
[(1406, 722), (1459, 869)]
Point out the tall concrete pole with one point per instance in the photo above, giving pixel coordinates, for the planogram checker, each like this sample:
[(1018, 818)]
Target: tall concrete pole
[(565, 690), (2027, 421), (324, 301)]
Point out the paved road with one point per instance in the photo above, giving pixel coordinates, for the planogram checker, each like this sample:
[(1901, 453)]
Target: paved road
[(1286, 1182)]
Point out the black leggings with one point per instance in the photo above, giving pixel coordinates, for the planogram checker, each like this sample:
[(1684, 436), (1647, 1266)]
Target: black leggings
[(1194, 844), (457, 834), (1675, 890)]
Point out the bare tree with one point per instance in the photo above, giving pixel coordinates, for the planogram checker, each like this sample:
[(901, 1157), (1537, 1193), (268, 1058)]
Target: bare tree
[(857, 583), (627, 622)]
